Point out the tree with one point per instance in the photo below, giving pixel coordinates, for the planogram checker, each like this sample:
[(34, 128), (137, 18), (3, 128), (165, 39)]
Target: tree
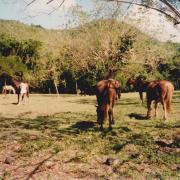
[(170, 8), (12, 66)]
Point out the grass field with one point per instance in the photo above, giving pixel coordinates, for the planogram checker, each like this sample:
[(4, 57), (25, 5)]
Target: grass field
[(58, 138)]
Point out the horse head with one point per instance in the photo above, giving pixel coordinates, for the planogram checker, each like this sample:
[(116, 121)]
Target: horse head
[(130, 82)]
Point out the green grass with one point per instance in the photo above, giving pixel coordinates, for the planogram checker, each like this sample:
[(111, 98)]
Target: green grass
[(139, 148)]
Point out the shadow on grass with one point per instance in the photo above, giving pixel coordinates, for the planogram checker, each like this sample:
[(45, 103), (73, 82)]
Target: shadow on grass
[(15, 103), (174, 144), (58, 127), (83, 125), (137, 116), (118, 147), (128, 103), (84, 101)]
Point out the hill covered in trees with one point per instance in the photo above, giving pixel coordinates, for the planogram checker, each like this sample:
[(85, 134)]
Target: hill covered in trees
[(61, 60)]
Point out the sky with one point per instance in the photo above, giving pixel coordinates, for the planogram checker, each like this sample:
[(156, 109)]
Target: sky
[(47, 15), (40, 13), (153, 23), (51, 17)]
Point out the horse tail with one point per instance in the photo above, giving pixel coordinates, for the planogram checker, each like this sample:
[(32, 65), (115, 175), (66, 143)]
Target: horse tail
[(168, 99)]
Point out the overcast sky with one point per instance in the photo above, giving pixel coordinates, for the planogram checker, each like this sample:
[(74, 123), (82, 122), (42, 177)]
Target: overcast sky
[(39, 12)]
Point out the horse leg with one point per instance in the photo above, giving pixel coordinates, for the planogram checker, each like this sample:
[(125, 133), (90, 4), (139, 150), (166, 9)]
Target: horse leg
[(164, 108), (23, 98), (119, 94), (156, 106), (101, 127), (149, 109), (111, 121), (112, 112), (101, 124), (19, 97), (141, 96), (3, 91)]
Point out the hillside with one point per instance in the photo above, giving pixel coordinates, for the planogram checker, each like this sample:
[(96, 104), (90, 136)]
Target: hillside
[(85, 54), (49, 38), (52, 38)]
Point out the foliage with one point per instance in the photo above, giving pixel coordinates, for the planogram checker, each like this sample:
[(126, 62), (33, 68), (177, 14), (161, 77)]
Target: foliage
[(85, 54), (12, 65), (27, 50)]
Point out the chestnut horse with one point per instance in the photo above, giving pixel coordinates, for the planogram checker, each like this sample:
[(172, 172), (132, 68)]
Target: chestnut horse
[(106, 93), (140, 86), (159, 91)]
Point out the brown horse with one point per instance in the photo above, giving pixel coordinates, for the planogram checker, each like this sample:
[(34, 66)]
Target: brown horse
[(140, 86), (118, 88), (159, 91), (106, 93)]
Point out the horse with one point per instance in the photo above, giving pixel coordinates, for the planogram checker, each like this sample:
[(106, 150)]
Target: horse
[(140, 86), (22, 90), (159, 91), (8, 88), (106, 94), (118, 89)]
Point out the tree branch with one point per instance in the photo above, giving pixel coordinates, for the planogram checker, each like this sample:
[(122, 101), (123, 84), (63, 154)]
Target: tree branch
[(49, 1), (30, 2), (176, 21), (171, 7), (57, 7)]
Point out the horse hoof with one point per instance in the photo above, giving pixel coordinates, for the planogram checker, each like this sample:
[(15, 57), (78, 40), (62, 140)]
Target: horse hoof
[(110, 128)]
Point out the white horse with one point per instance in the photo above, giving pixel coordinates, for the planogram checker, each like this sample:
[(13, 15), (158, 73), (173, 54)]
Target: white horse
[(9, 89), (24, 91)]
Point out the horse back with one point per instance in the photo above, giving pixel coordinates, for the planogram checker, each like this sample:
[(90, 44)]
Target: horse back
[(160, 90), (106, 91)]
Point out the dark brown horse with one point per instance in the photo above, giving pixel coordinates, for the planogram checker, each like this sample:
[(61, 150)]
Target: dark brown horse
[(106, 93), (159, 91), (140, 86)]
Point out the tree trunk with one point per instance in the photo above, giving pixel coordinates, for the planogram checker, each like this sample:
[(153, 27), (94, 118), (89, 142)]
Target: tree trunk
[(76, 88), (55, 84)]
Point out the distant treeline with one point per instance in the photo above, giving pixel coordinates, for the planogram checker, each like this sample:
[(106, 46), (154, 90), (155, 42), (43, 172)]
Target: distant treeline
[(85, 56)]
